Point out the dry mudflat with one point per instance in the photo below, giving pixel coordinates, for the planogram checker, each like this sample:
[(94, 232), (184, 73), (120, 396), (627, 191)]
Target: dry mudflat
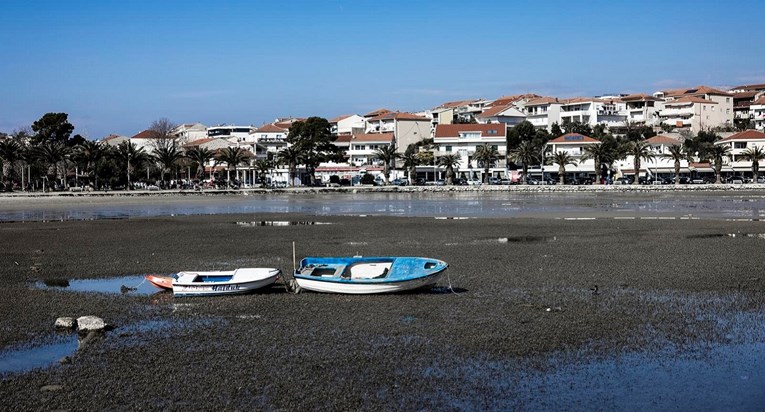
[(522, 294)]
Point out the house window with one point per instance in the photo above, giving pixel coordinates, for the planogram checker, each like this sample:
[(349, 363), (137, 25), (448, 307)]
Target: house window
[(448, 148), (727, 111), (495, 147), (727, 100), (739, 145)]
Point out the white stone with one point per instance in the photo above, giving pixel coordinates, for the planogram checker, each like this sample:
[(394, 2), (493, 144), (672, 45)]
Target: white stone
[(65, 323), (90, 323)]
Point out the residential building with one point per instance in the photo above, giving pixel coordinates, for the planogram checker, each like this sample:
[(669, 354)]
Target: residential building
[(543, 112), (232, 133), (748, 88), (660, 165), (347, 124), (270, 137), (574, 145), (642, 109), (757, 111), (591, 111), (209, 143), (189, 132), (114, 140), (740, 143), (742, 102), (362, 147), (146, 140), (701, 115), (693, 113), (407, 128), (463, 139), (507, 114)]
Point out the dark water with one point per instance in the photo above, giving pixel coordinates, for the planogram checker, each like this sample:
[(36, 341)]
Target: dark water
[(29, 358), (107, 285), (717, 205)]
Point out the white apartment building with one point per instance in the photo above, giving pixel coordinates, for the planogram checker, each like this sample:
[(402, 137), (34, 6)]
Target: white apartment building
[(642, 108), (407, 128), (591, 111), (757, 112), (660, 164), (508, 114), (739, 143), (188, 132), (694, 113), (542, 112), (269, 137), (463, 139), (347, 124), (362, 148), (573, 144), (234, 134), (698, 108)]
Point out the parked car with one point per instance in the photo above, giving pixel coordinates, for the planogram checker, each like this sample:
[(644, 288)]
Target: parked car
[(494, 181), (473, 182), (459, 182), (400, 182), (624, 180)]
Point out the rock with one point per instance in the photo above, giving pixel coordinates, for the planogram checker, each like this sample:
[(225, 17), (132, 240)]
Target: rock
[(65, 360), (51, 388), (90, 324), (65, 323)]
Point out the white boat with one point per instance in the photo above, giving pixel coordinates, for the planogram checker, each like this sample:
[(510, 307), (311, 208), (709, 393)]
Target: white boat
[(367, 275), (223, 282)]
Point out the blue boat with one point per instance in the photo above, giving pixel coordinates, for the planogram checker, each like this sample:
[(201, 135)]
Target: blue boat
[(366, 275)]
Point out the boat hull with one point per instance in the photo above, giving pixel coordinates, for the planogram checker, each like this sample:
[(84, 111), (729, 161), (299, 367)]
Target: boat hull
[(368, 275), (235, 285), (161, 282)]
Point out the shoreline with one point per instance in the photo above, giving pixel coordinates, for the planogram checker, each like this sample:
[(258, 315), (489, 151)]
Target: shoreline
[(726, 187)]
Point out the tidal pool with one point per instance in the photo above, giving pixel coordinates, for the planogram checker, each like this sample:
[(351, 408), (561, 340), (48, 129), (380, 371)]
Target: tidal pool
[(130, 285)]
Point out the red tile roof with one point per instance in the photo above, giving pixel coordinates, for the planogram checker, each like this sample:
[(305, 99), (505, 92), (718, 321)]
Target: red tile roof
[(745, 135), (657, 140), (573, 138), (506, 100), (372, 138), (341, 117), (398, 116), (146, 134), (639, 97), (760, 86), (690, 99), (494, 111), (200, 142), (458, 103), (377, 112), (454, 130), (542, 100), (696, 91), (343, 138), (759, 101), (270, 128)]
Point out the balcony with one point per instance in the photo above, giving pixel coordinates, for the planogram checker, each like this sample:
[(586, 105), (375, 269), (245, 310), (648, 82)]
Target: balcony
[(677, 112)]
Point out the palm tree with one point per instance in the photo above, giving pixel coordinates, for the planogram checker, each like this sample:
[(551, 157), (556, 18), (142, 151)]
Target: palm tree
[(449, 161), (387, 155), (89, 153), (129, 153), (677, 153), (263, 167), (485, 155), (754, 155), (167, 157), (290, 156), (201, 156), (53, 154), (10, 154), (527, 153), (232, 157), (597, 152), (716, 154), (640, 150), (562, 159), (411, 160)]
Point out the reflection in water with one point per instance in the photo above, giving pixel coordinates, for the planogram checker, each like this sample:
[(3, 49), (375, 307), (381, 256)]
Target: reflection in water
[(463, 205), (135, 284)]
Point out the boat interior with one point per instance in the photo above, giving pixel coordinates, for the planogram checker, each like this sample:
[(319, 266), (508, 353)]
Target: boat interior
[(360, 270)]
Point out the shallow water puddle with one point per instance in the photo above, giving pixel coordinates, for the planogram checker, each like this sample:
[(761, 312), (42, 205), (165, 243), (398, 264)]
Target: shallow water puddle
[(131, 285), (258, 223), (27, 359)]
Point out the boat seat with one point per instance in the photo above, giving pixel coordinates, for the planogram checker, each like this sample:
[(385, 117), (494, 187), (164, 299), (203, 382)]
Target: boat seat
[(370, 270)]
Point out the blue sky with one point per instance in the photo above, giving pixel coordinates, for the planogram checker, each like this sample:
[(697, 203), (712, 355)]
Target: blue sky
[(116, 66)]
